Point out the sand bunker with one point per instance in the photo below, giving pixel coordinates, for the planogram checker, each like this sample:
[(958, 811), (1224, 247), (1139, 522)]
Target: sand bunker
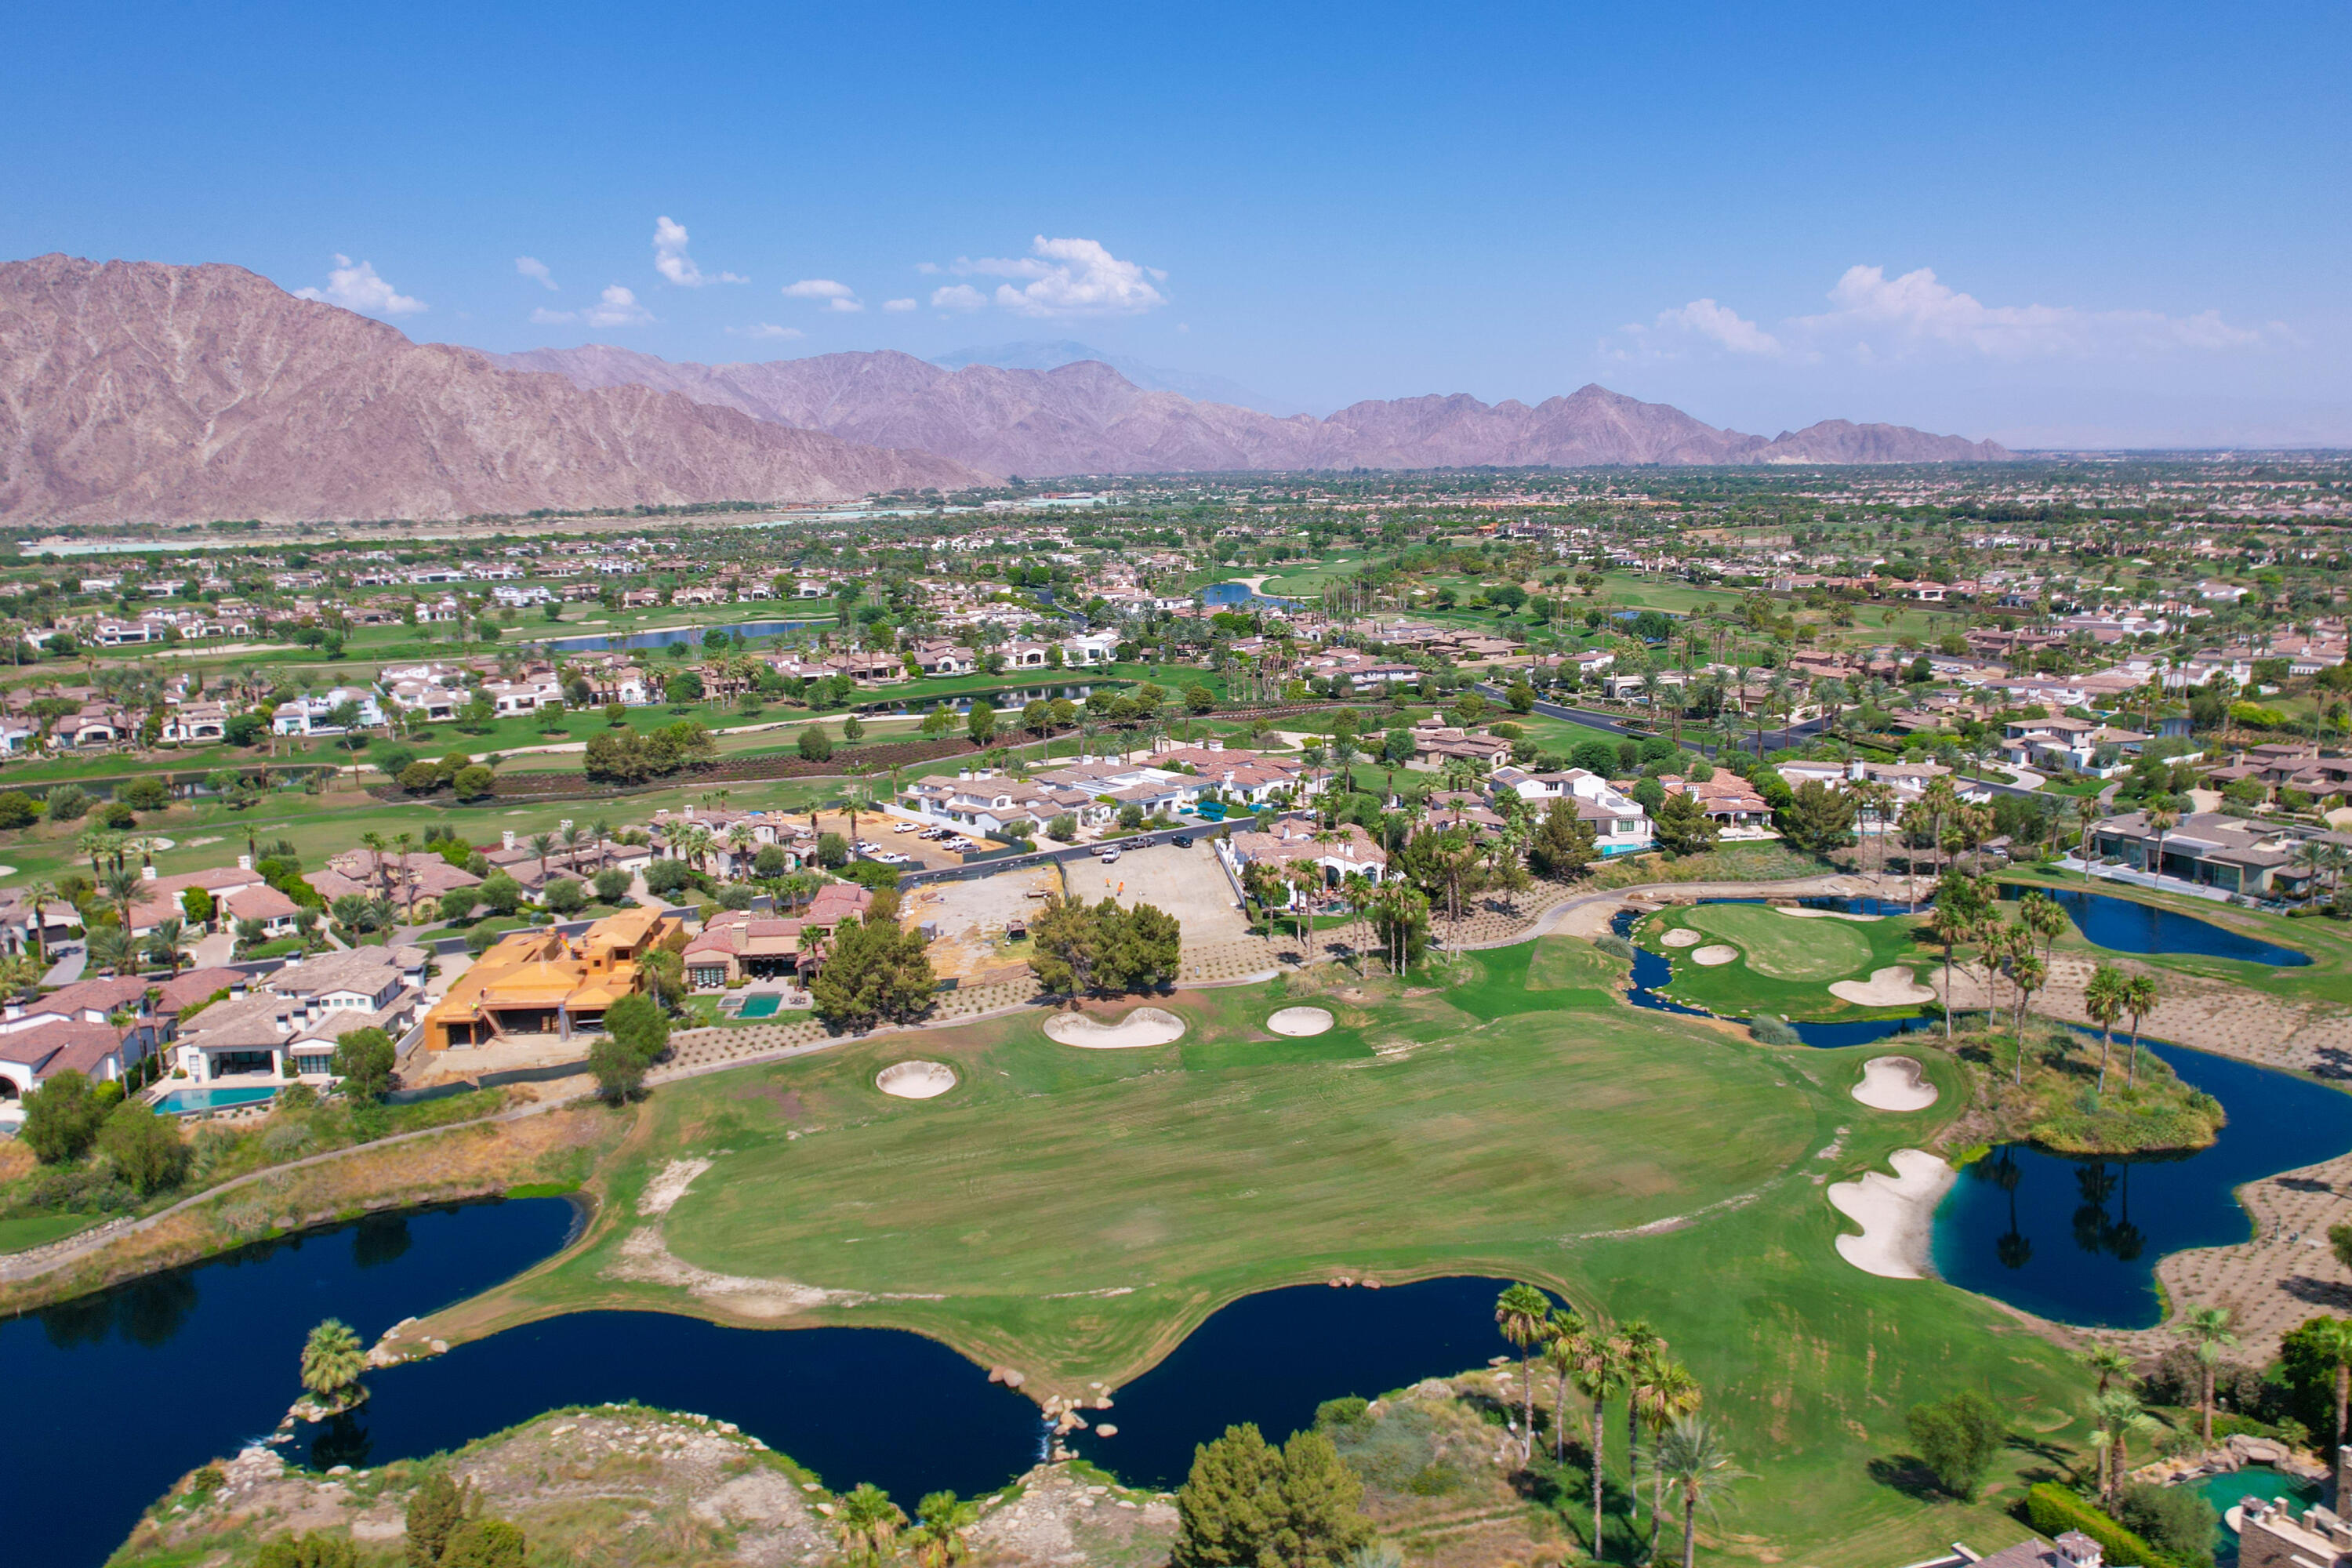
[(1890, 987), (1299, 1021), (1683, 936), (1144, 1027), (1893, 1083), (1714, 955), (1825, 915), (924, 1081), (1897, 1215)]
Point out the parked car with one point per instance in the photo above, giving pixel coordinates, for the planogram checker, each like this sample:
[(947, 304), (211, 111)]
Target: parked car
[(1182, 841), (907, 827), (1108, 856)]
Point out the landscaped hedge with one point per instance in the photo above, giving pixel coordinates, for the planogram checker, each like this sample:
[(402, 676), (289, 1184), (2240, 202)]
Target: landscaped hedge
[(2052, 1509)]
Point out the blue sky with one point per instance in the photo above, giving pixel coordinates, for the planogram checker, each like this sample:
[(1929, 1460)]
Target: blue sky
[(2050, 224)]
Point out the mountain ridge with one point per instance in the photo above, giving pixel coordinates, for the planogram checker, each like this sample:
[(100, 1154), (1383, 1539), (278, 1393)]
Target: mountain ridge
[(1085, 417), (139, 391)]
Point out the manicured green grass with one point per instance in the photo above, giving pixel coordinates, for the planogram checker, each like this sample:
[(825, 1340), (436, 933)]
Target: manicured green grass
[(1783, 947), (34, 1230), (1075, 1213), (1786, 963)]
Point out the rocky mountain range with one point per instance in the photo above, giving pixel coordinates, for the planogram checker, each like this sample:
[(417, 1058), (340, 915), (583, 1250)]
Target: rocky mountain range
[(136, 391), (1087, 418)]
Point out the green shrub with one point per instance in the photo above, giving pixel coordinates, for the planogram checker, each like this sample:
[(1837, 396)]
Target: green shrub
[(2052, 1509), (1613, 945), (2176, 1520), (1769, 1030)]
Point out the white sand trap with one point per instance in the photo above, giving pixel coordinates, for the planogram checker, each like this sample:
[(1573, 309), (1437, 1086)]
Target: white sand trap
[(922, 1080), (1299, 1021), (1714, 955), (1893, 1083), (1144, 1027), (1683, 936), (1897, 1215), (1826, 915), (1892, 986)]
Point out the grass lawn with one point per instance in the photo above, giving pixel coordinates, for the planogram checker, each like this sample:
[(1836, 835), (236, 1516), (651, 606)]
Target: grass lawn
[(1076, 1213), (34, 1230), (1785, 963)]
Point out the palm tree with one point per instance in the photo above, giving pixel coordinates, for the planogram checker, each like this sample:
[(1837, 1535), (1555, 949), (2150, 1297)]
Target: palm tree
[(164, 942), (332, 1360), (1641, 1349), (121, 888), (2119, 1419), (1559, 1353), (2208, 1328), (2028, 975), (2161, 820), (1666, 1393), (541, 844), (2103, 999), (602, 829), (2105, 1362), (1523, 1313), (1959, 905), (2038, 913), (1599, 1376), (374, 843), (942, 1518), (867, 1521), (40, 894), (109, 949), (1694, 1460), (2139, 998)]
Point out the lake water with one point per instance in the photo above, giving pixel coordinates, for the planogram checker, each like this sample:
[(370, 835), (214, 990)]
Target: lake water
[(200, 1362), (2078, 1240), (112, 1397), (599, 643), (1226, 596), (2126, 925)]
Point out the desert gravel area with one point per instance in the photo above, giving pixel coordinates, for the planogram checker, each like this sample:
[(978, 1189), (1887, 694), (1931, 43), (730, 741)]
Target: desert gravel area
[(1187, 883)]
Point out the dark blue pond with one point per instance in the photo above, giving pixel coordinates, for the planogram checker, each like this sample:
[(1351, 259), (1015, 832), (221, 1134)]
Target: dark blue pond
[(2078, 1240), (112, 1397), (599, 643), (837, 1400), (2128, 926), (1272, 1358), (1225, 596)]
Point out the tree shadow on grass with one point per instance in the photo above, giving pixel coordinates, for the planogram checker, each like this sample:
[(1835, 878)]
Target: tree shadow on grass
[(1908, 1474)]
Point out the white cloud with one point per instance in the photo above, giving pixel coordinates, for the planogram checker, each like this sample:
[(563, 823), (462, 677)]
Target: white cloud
[(900, 304), (767, 329), (1900, 316), (672, 262), (357, 288), (819, 289), (616, 307), (1874, 318), (1709, 319), (958, 297), (532, 266), (1069, 277)]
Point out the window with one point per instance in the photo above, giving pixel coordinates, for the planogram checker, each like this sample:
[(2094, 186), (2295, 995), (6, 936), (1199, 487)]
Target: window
[(311, 1064)]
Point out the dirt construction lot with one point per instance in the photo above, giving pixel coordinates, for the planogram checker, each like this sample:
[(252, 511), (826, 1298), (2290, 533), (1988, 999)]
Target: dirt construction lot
[(972, 918), (1187, 883)]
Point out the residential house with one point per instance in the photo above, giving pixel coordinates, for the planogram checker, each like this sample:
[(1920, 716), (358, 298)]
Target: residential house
[(2232, 854), (743, 944), (542, 982)]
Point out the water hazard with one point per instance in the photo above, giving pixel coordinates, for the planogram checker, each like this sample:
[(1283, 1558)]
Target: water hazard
[(2126, 925), (2078, 1240)]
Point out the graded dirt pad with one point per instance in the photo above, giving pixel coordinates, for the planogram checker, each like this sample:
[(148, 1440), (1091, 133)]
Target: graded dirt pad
[(1714, 953), (1893, 1083), (1892, 986), (1186, 883), (1683, 936), (1897, 1215), (1300, 1021), (1144, 1027), (929, 1080)]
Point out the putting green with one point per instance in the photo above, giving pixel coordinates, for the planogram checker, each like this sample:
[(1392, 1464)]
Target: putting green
[(1785, 949)]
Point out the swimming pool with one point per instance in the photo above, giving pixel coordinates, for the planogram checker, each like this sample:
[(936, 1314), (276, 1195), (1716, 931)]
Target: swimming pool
[(2227, 1490), (186, 1101), (762, 1007)]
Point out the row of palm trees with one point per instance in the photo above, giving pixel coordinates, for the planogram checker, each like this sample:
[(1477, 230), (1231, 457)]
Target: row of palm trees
[(1966, 913), (2118, 1419), (1627, 1362)]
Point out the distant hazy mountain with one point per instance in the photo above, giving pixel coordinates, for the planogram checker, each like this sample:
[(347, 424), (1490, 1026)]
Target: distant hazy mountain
[(133, 391), (1199, 387), (1088, 418)]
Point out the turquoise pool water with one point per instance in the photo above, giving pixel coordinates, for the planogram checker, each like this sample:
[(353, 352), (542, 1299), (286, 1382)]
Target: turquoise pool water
[(182, 1101), (2225, 1492), (760, 1007)]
